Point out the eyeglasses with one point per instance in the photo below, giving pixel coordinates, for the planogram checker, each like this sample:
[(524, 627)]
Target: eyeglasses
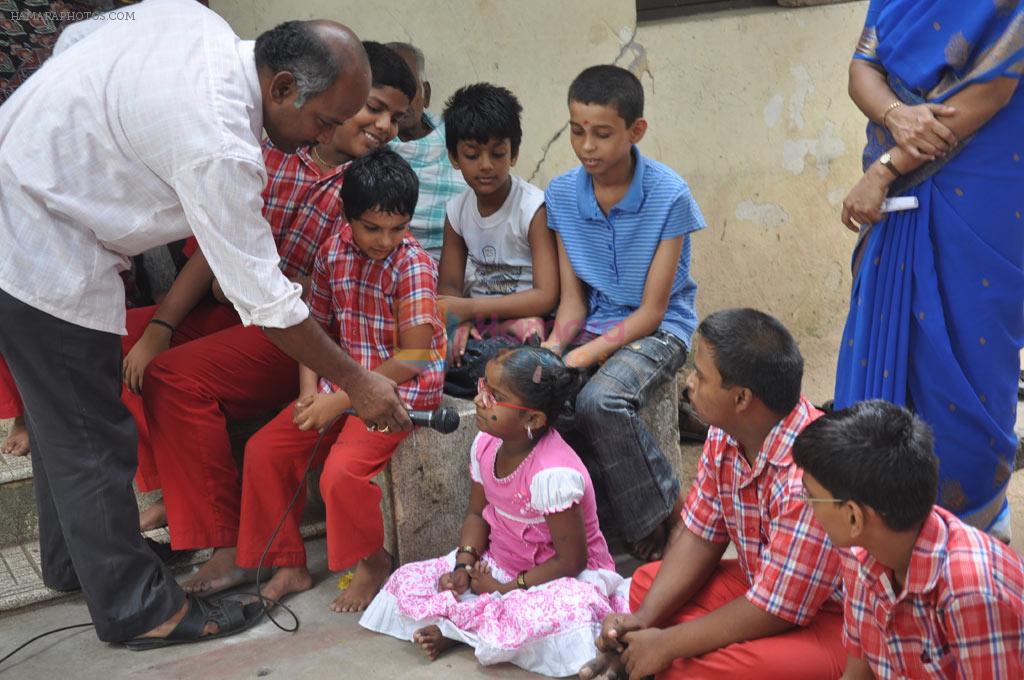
[(807, 498), (487, 397)]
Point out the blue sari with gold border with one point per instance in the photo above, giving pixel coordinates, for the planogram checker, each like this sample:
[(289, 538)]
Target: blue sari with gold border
[(936, 316)]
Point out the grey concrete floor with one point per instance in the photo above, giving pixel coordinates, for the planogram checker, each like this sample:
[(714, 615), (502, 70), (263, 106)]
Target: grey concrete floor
[(328, 645)]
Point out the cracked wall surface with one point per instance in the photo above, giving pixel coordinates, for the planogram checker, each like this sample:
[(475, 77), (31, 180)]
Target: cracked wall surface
[(749, 106)]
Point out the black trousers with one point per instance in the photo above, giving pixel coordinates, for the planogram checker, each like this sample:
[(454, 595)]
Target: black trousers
[(83, 460)]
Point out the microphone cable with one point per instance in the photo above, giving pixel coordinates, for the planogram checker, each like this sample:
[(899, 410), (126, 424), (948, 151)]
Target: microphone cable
[(264, 601)]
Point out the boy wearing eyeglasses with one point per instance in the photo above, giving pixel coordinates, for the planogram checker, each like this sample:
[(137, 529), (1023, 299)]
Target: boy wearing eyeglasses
[(926, 595), (774, 611)]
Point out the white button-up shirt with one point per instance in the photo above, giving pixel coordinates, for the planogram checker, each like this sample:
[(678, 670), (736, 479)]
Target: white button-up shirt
[(140, 132)]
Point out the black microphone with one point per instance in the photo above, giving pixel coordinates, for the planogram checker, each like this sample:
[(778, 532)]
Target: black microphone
[(444, 420)]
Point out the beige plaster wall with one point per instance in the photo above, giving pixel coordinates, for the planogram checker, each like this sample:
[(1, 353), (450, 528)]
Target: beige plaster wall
[(749, 106)]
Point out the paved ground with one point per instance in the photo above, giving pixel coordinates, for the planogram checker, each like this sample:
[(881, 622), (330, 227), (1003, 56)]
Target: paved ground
[(328, 645)]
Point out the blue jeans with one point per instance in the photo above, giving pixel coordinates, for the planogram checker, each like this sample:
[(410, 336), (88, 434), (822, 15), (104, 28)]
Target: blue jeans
[(640, 485)]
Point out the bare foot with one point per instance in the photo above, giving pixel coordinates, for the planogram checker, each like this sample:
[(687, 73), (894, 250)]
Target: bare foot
[(153, 517), (371, 573), (16, 443), (604, 666), (650, 548), (219, 573), (285, 581), (165, 628), (432, 642)]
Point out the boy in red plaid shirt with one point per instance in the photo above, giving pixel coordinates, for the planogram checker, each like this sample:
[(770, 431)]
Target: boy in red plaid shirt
[(191, 390), (926, 595), (774, 612), (374, 289)]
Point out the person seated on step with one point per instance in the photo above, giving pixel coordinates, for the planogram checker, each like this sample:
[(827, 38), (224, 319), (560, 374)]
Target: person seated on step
[(374, 291), (499, 267), (623, 224), (532, 577), (775, 611), (421, 142), (191, 391), (927, 596)]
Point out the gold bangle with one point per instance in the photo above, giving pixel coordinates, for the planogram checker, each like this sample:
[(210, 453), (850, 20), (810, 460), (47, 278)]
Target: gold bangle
[(892, 107), (521, 581), (469, 550)]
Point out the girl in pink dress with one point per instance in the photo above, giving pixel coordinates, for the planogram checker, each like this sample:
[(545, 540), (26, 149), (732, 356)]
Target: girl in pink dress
[(532, 578)]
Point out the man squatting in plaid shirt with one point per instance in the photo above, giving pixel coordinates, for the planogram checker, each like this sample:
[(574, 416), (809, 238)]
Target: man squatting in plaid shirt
[(775, 611), (926, 595), (191, 390)]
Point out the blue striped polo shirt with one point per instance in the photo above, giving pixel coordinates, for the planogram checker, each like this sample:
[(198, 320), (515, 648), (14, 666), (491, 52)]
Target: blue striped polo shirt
[(611, 254)]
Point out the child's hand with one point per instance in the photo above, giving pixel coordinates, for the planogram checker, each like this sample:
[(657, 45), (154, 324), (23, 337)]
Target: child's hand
[(614, 627), (647, 652), (456, 581), (553, 345), (155, 339), (317, 412), (481, 581), (463, 332)]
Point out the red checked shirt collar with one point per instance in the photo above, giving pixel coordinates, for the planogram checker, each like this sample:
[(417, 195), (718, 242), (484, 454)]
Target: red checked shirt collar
[(926, 564), (777, 446)]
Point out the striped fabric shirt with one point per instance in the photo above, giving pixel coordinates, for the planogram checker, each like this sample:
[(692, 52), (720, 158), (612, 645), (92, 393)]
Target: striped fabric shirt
[(302, 204), (439, 182), (612, 254), (365, 304), (960, 615), (791, 566)]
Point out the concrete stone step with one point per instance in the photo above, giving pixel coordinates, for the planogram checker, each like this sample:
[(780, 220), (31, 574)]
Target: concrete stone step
[(425, 489)]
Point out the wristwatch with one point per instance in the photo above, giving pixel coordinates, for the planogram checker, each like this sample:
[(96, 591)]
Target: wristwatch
[(886, 160)]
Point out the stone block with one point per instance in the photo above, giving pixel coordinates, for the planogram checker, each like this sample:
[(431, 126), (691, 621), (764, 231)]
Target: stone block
[(427, 485)]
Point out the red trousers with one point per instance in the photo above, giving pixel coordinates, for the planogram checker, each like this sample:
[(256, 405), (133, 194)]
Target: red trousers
[(207, 317), (275, 459), (10, 400), (812, 652), (189, 394)]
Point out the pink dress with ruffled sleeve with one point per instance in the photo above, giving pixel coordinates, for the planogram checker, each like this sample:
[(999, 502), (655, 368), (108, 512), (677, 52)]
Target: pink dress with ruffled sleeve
[(548, 629)]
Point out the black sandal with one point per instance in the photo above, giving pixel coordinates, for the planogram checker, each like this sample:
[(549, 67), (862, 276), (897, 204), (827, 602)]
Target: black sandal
[(231, 617)]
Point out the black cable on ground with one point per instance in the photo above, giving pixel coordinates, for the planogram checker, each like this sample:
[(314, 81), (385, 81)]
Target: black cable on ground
[(265, 601)]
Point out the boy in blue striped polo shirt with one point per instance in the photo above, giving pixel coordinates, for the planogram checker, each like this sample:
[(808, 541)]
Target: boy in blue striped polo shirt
[(623, 224)]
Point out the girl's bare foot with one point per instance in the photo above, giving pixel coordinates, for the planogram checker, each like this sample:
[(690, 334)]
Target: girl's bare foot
[(219, 573), (604, 666), (153, 517), (285, 581), (432, 642), (371, 573), (16, 443)]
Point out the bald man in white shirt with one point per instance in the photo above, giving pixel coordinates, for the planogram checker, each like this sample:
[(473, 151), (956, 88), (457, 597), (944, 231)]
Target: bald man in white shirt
[(142, 131)]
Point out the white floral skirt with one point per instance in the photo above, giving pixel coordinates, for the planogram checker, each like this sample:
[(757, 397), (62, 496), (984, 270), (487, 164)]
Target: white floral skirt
[(548, 629)]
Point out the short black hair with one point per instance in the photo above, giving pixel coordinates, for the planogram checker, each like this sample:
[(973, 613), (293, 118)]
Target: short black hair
[(388, 69), (381, 180), (539, 378), (482, 112), (754, 350), (876, 454), (295, 46), (609, 85)]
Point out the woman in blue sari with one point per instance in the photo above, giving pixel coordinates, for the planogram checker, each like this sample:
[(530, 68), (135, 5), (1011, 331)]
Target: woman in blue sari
[(936, 315)]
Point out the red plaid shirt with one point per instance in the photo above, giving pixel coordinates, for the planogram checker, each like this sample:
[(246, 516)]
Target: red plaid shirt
[(366, 304), (791, 566), (960, 615), (302, 205)]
